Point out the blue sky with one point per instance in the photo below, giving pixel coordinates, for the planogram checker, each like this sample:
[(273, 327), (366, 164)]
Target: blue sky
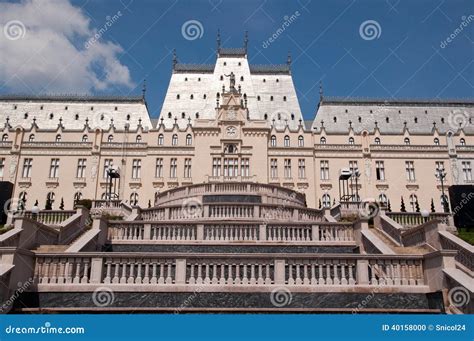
[(406, 58)]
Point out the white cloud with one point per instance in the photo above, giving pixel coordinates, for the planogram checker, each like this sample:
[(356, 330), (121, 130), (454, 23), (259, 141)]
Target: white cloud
[(51, 56)]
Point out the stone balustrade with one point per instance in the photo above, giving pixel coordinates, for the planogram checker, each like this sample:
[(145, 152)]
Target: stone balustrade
[(465, 251), (253, 270), (415, 218), (230, 232), (50, 217)]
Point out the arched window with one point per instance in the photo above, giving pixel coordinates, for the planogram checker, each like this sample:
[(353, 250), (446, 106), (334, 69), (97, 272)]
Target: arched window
[(204, 96), (265, 117), (5, 137), (436, 141), (110, 138), (273, 141), (377, 140), (230, 149), (160, 139), (300, 141), (407, 141), (25, 116), (191, 97), (241, 78), (76, 117), (326, 201), (58, 138), (197, 115), (284, 98), (222, 78), (286, 141), (462, 142), (128, 117), (31, 138), (183, 115), (413, 202), (322, 140), (383, 199), (292, 117), (271, 98), (22, 200), (189, 139), (138, 139), (51, 116), (174, 140), (85, 138), (177, 96), (134, 199), (169, 115), (351, 140), (258, 98)]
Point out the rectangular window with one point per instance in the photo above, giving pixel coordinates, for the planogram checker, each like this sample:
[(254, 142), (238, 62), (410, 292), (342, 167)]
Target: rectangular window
[(287, 168), (467, 171), (173, 168), (81, 168), (380, 170), (410, 170), (54, 168), (301, 169), (27, 165), (245, 167), (159, 168), (216, 166), (2, 167), (273, 168), (353, 167), (107, 164), (187, 168), (136, 169), (324, 168)]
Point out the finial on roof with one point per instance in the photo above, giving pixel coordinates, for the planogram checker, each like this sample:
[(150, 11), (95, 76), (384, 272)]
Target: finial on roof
[(320, 91), (322, 123), (175, 120), (246, 40), (189, 120), (288, 59), (434, 124), (218, 40), (139, 122), (301, 121), (376, 124), (175, 58), (144, 88), (350, 124)]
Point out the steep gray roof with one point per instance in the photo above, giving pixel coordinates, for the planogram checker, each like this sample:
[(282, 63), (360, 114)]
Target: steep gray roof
[(270, 69), (70, 98)]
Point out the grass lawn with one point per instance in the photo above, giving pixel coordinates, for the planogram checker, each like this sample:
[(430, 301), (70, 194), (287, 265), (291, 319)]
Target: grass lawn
[(4, 229), (467, 236)]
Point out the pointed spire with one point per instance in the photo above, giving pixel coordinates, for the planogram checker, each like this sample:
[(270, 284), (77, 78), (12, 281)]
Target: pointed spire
[(288, 59), (320, 91), (246, 41), (175, 59), (218, 40), (144, 88)]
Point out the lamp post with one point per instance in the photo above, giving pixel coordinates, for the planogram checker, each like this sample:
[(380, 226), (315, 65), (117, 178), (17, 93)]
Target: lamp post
[(34, 212), (440, 174)]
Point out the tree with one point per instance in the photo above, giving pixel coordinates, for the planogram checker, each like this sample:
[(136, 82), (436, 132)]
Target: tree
[(402, 206), (320, 203), (149, 203), (36, 203), (417, 205), (49, 204), (433, 210), (389, 208), (61, 205)]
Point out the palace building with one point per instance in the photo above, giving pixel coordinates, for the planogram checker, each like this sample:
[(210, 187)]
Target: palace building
[(231, 201)]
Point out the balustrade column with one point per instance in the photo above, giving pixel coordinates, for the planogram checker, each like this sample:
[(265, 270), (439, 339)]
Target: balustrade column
[(262, 232), (180, 271), (279, 271), (200, 232), (362, 276), (315, 232), (147, 231), (96, 270)]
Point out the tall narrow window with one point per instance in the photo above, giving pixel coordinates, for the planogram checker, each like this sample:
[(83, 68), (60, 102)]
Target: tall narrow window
[(107, 164), (377, 140), (189, 140), (322, 140), (2, 167), (326, 201), (466, 170), (159, 168), (383, 199), (406, 141), (353, 167), (134, 199), (380, 170), (413, 202), (136, 168), (27, 165), (273, 168), (216, 166), (410, 170), (160, 139), (301, 169), (54, 168), (286, 141), (351, 140), (174, 140), (300, 141), (187, 168), (273, 141), (324, 169), (287, 168), (173, 167), (81, 168), (245, 167)]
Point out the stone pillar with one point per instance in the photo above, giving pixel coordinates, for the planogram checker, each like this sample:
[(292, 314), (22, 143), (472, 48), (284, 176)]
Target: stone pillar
[(433, 265), (180, 271), (362, 272), (295, 214), (315, 233), (359, 226), (256, 211), (146, 231), (279, 271), (206, 211), (200, 232), (96, 270), (262, 232)]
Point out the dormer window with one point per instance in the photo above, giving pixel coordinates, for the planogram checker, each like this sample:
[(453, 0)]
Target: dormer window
[(351, 140), (436, 141), (189, 139), (138, 139), (462, 142), (25, 116), (58, 138), (191, 97), (51, 116), (284, 98), (300, 141), (204, 96), (76, 117), (31, 138), (258, 98), (169, 115), (273, 141), (377, 140), (286, 141), (335, 119), (85, 138), (174, 140), (241, 78), (222, 78), (160, 139), (5, 137), (271, 98), (177, 96), (183, 115), (110, 138), (322, 140), (292, 117), (407, 141)]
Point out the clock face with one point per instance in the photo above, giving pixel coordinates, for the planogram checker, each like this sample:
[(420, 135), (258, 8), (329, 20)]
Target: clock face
[(231, 131), (231, 115)]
